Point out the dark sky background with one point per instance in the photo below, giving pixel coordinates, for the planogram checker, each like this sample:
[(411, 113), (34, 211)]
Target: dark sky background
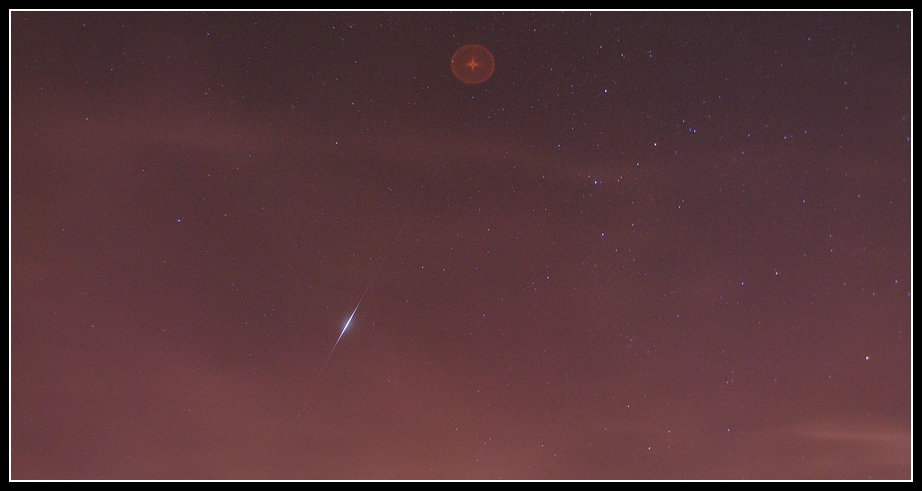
[(651, 246)]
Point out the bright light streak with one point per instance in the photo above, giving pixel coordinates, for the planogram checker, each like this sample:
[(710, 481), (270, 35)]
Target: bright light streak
[(347, 324), (377, 271), (344, 331)]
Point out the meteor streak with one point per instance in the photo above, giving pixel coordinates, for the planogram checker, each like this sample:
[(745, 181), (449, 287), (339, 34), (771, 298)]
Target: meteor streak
[(380, 265), (344, 331), (346, 326)]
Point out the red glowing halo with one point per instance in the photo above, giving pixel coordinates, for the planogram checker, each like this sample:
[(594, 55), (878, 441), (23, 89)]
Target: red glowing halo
[(472, 64)]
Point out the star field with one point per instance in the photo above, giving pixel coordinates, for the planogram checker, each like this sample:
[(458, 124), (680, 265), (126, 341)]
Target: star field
[(654, 245)]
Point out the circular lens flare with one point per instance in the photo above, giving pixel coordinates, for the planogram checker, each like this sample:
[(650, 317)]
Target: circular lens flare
[(472, 64)]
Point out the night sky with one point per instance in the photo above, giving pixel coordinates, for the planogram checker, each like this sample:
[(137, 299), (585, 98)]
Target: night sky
[(650, 246)]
